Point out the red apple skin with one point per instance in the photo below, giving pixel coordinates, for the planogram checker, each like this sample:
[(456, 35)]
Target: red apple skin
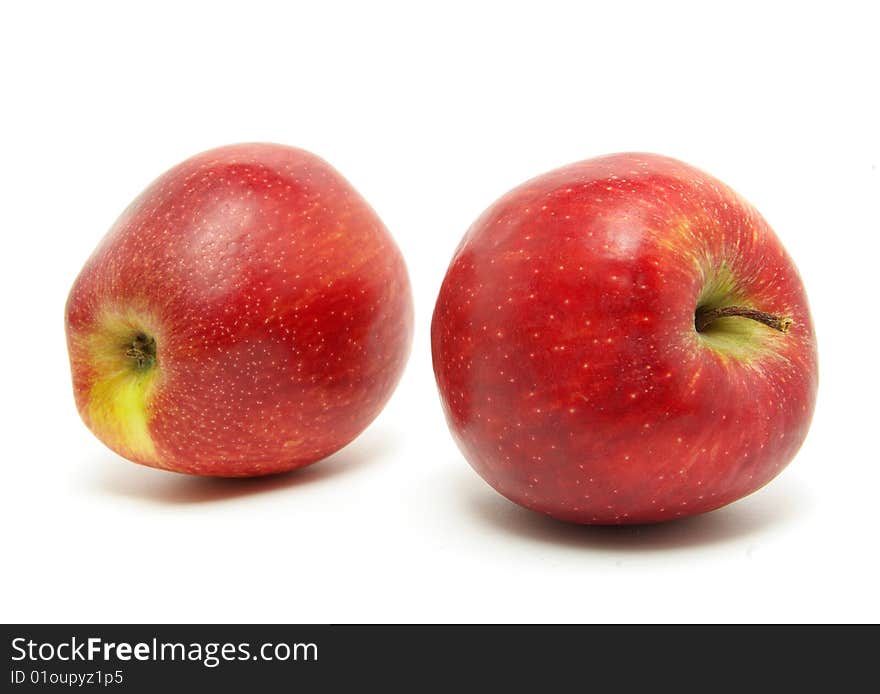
[(280, 306), (566, 355)]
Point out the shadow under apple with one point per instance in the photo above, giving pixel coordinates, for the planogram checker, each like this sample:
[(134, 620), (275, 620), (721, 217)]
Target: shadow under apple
[(121, 478), (778, 504)]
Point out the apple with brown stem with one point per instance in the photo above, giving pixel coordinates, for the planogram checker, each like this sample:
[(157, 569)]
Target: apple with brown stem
[(624, 340)]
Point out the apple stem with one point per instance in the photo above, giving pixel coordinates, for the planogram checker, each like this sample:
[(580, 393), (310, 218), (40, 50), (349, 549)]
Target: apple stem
[(705, 317), (142, 349)]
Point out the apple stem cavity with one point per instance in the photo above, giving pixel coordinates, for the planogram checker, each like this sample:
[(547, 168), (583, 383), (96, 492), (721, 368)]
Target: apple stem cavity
[(704, 317), (142, 350)]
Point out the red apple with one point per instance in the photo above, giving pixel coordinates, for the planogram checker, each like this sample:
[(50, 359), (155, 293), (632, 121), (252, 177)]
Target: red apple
[(247, 314), (624, 340)]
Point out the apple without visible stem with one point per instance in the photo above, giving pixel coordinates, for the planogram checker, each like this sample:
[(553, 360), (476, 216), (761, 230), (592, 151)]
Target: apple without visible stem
[(624, 340), (247, 314)]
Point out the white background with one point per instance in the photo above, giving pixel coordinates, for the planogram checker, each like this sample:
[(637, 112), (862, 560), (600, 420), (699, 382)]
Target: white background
[(432, 112)]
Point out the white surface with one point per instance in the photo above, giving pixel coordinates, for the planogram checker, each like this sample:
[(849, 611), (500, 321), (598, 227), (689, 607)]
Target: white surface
[(431, 114)]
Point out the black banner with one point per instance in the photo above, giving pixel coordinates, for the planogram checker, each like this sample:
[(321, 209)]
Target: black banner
[(142, 658)]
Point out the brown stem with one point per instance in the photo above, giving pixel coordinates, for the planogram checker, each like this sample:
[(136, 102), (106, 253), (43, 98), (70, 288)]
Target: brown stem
[(705, 317)]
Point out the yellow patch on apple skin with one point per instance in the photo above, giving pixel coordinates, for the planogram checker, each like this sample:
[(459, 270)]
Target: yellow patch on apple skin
[(679, 239), (118, 408), (118, 412)]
